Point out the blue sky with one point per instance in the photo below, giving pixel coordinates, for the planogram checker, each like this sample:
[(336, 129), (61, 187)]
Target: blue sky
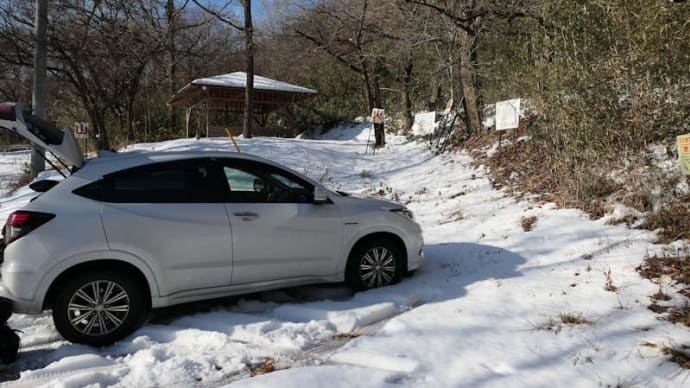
[(258, 7)]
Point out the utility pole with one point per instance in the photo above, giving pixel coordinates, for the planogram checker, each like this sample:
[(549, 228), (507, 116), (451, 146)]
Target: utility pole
[(249, 84), (170, 13), (39, 79)]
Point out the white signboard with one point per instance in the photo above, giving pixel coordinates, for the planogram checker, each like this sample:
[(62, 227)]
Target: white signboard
[(377, 116), (424, 123), (81, 130), (507, 114)]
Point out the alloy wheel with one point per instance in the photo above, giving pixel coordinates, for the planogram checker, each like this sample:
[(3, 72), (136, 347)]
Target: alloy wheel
[(377, 267), (99, 307)]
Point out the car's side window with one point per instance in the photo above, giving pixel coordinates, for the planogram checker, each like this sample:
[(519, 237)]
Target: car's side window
[(287, 181), (244, 186), (253, 182), (185, 181)]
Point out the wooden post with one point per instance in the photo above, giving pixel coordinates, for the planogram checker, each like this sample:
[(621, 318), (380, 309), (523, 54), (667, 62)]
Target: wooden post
[(378, 120), (188, 116), (379, 134), (229, 132)]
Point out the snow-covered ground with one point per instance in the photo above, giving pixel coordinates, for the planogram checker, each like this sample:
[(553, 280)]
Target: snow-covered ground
[(12, 166), (485, 308)]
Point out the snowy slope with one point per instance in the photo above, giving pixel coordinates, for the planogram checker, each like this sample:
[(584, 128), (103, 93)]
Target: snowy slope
[(483, 310)]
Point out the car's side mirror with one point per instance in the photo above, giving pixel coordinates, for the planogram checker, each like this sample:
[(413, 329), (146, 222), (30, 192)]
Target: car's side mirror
[(320, 195)]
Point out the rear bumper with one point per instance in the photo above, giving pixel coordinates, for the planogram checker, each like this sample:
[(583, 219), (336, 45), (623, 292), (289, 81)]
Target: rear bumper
[(18, 305), (20, 274)]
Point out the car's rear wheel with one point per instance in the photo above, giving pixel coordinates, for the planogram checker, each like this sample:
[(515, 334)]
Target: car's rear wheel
[(99, 307), (373, 264)]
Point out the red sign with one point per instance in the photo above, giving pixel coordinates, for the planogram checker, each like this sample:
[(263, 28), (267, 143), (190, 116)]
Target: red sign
[(377, 116), (81, 130)]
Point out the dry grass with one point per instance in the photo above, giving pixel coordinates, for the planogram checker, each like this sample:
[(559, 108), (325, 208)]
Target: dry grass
[(573, 319), (661, 296), (564, 319), (267, 366), (527, 223), (657, 308), (574, 173), (679, 315), (628, 219), (610, 286), (674, 266), (525, 167), (673, 219), (679, 355)]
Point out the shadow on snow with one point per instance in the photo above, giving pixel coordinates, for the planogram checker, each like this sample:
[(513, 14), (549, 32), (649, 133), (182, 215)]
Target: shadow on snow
[(448, 269)]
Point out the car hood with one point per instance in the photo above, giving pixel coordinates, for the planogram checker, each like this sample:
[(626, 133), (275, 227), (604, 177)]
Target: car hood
[(372, 202), (41, 133)]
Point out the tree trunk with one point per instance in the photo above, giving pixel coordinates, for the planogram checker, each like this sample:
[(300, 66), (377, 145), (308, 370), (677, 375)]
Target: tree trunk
[(366, 78), (40, 80), (379, 131), (405, 94), (468, 83), (363, 63), (130, 120), (432, 104), (98, 128), (249, 89), (172, 65), (377, 82)]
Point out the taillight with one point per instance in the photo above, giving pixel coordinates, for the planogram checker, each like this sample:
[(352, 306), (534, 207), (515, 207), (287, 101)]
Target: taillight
[(20, 223)]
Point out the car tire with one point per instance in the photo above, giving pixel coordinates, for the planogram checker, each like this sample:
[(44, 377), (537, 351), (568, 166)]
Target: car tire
[(110, 303), (374, 263)]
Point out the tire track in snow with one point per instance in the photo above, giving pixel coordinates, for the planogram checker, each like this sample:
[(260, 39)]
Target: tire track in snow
[(317, 354)]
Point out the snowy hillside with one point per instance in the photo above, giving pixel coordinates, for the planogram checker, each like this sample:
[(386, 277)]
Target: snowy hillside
[(495, 304)]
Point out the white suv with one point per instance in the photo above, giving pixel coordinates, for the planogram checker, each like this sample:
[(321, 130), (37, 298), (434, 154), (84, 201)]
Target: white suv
[(135, 231)]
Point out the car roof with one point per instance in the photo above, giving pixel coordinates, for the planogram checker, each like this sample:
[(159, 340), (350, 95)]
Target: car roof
[(111, 162)]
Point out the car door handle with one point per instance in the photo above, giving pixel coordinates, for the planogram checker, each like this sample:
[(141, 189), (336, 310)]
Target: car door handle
[(246, 216)]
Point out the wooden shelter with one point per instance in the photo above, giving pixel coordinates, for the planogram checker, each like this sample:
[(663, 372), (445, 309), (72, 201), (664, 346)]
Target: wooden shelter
[(225, 93)]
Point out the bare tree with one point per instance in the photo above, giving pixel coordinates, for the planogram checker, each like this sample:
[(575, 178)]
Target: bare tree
[(473, 18), (338, 31), (40, 79), (99, 49), (407, 30), (248, 30)]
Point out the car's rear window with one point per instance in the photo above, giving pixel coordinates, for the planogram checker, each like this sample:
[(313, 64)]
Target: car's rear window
[(187, 181)]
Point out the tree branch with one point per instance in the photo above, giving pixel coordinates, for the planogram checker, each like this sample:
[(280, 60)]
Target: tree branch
[(338, 56), (218, 15)]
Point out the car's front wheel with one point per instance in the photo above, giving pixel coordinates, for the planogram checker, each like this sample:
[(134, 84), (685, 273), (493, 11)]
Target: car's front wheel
[(373, 264), (99, 307)]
